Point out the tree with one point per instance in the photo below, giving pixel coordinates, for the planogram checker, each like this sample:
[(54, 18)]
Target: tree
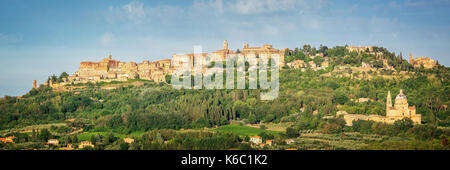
[(318, 60), (263, 127), (340, 98), (63, 75), (333, 85), (124, 146), (335, 125), (109, 138), (252, 119), (444, 140), (266, 136), (425, 132), (307, 48), (403, 124), (75, 139), (246, 138), (33, 136), (291, 133), (245, 146), (45, 135), (94, 139)]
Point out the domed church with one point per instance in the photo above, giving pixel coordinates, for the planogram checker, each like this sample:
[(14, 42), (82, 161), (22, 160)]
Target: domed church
[(400, 109)]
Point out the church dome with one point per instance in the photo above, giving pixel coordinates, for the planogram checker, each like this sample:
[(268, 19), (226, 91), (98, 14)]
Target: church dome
[(401, 96)]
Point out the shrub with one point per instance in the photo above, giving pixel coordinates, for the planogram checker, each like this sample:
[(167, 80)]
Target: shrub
[(291, 133)]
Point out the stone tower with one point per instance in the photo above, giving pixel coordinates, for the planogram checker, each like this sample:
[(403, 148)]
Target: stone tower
[(388, 102), (110, 56), (225, 45), (245, 45), (411, 61), (34, 84)]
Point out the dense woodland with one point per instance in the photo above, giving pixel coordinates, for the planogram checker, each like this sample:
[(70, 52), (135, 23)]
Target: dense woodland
[(158, 106)]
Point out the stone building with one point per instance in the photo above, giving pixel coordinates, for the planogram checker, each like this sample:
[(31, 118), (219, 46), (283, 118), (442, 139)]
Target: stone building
[(265, 49), (179, 59), (84, 144), (359, 49), (256, 139), (289, 141), (221, 55), (427, 63), (223, 52), (128, 140), (108, 70), (53, 142), (399, 111), (296, 64)]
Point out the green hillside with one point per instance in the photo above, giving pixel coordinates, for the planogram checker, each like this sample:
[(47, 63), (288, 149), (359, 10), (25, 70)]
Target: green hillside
[(306, 96)]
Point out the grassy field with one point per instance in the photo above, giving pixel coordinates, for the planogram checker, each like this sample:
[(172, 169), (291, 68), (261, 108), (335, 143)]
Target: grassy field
[(243, 130), (136, 134), (87, 136)]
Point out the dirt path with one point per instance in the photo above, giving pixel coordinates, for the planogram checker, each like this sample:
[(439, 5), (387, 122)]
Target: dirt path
[(75, 132)]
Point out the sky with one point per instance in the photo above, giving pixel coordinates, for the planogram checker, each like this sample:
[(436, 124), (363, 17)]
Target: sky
[(46, 37)]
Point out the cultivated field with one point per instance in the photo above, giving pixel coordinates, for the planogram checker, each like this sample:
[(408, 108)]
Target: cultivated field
[(243, 130)]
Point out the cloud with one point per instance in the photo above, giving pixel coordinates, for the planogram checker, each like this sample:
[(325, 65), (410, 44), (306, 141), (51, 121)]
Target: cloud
[(107, 39), (245, 7), (268, 6), (395, 35), (134, 9), (394, 4), (206, 6), (270, 30), (10, 39), (135, 12), (418, 3)]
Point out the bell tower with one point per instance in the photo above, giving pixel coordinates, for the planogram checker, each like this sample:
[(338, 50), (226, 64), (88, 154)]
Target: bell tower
[(225, 45), (411, 61), (388, 102)]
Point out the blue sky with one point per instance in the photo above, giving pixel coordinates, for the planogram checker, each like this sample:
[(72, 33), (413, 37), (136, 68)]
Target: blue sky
[(45, 37)]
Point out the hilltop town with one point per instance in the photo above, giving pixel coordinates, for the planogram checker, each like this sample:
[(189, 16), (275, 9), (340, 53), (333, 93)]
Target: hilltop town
[(109, 69)]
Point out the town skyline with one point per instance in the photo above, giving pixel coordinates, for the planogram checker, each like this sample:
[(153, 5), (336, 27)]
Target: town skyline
[(38, 41)]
